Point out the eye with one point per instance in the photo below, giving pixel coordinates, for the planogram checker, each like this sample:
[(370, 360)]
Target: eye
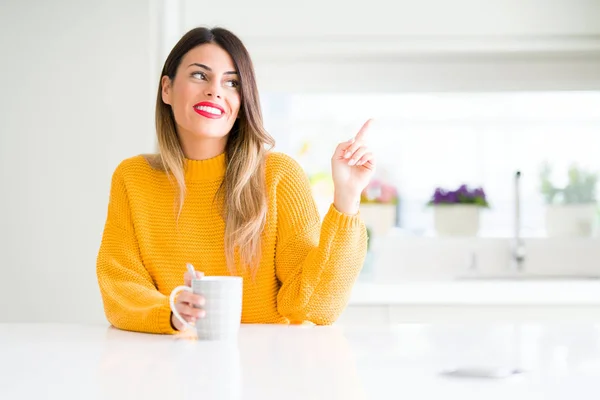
[(199, 75), (233, 83)]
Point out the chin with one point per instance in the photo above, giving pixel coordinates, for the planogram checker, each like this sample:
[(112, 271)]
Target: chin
[(211, 132), (210, 135)]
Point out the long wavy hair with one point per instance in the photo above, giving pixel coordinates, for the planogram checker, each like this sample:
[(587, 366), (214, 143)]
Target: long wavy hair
[(243, 190)]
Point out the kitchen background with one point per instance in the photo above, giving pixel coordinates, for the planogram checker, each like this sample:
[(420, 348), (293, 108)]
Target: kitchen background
[(426, 140), (462, 93)]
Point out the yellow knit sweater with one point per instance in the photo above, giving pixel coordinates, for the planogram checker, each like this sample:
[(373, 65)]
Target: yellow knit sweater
[(307, 267)]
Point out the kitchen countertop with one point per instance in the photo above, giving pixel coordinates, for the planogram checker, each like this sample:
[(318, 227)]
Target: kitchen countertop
[(55, 361), (479, 292)]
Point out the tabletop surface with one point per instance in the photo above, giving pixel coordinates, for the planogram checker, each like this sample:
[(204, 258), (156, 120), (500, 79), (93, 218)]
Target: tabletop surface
[(61, 361), (476, 292)]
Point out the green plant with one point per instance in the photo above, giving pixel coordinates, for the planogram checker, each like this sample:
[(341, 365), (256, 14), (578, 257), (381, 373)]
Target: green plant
[(580, 189)]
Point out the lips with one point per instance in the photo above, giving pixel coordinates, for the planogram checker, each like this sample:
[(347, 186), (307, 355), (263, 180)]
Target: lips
[(209, 110)]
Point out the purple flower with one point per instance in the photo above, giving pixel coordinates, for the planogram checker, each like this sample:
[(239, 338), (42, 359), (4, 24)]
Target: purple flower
[(452, 197), (439, 195), (462, 195), (479, 193)]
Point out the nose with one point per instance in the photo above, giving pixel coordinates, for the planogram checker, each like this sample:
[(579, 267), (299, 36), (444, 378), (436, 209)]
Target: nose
[(213, 90)]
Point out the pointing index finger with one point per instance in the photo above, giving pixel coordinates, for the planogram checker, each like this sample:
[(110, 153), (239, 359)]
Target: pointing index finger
[(361, 134)]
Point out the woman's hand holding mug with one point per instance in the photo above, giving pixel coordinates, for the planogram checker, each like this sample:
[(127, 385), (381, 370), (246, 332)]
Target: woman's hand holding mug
[(187, 304)]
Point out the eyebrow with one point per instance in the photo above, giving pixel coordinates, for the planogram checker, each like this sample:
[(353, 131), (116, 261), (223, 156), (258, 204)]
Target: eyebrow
[(210, 69)]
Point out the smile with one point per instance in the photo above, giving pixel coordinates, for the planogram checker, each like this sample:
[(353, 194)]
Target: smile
[(209, 110)]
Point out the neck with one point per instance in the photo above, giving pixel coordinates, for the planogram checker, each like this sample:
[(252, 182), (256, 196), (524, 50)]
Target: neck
[(203, 148)]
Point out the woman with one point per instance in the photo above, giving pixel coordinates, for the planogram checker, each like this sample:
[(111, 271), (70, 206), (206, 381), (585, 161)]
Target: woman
[(217, 197)]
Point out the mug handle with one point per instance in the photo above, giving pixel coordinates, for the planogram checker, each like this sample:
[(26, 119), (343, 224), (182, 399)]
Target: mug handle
[(172, 304)]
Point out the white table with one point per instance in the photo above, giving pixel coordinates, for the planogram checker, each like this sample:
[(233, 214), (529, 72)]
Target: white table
[(479, 292), (54, 361)]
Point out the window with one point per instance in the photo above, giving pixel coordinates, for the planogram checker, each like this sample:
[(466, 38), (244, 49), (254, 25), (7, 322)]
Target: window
[(426, 140)]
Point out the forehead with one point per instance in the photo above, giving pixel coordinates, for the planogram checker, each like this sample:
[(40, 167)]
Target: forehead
[(210, 55)]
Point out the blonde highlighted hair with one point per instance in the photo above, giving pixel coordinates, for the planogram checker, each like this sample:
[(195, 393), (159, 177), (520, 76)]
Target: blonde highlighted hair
[(243, 190)]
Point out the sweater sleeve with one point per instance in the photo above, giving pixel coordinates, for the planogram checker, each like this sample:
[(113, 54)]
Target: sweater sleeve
[(316, 263), (131, 300)]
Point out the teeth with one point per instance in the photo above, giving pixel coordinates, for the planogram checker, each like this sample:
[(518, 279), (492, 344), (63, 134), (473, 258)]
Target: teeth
[(208, 109)]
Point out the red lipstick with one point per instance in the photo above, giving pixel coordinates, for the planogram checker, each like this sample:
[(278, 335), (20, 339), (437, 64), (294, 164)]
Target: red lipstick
[(209, 110)]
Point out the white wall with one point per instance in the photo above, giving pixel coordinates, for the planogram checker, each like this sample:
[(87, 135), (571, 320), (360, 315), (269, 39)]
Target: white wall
[(401, 18), (78, 85), (421, 46)]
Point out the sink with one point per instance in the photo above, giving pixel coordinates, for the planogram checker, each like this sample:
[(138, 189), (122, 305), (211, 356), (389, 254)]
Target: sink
[(526, 277)]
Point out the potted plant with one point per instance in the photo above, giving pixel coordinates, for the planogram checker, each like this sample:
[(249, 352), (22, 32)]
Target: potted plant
[(456, 212), (570, 210), (378, 203)]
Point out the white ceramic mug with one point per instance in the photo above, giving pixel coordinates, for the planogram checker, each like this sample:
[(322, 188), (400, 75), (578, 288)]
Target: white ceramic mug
[(223, 306)]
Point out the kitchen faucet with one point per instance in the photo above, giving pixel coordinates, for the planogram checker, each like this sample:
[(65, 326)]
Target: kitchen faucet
[(517, 256), (516, 244)]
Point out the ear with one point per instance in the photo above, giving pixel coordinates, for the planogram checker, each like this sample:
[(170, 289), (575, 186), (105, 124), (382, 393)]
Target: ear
[(166, 89)]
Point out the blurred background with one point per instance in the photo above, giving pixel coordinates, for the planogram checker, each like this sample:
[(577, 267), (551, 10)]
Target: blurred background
[(465, 94)]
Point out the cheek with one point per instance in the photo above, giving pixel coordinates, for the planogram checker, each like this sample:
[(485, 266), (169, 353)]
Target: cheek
[(235, 106), (181, 97)]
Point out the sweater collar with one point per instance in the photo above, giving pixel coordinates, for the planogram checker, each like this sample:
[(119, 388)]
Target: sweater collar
[(205, 170)]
